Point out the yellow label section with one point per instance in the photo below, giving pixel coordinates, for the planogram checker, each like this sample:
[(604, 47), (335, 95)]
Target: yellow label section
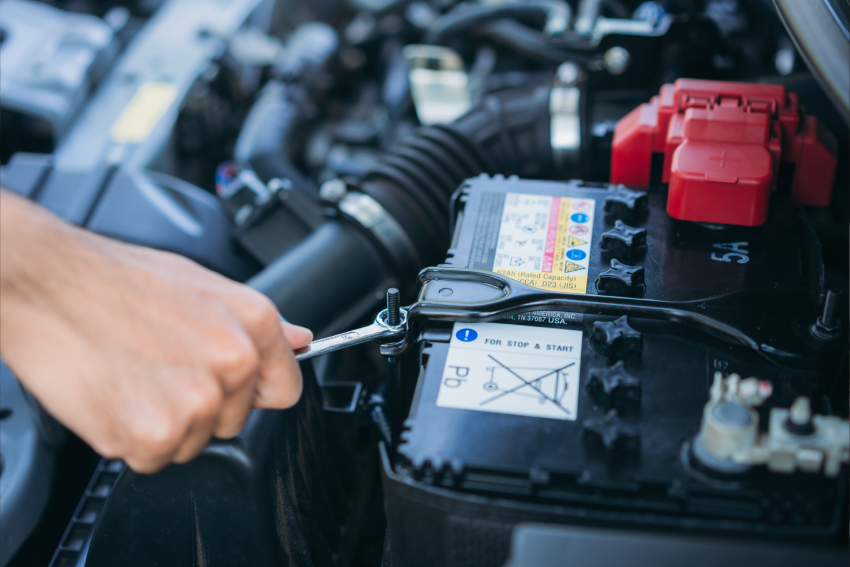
[(550, 282), (567, 251), (142, 113)]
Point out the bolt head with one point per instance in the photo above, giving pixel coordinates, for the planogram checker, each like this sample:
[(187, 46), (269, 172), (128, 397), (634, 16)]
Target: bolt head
[(333, 190), (276, 184), (568, 74), (617, 60)]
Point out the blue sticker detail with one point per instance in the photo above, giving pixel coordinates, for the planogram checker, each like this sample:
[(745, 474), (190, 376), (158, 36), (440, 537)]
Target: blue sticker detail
[(579, 217), (576, 255), (466, 335)]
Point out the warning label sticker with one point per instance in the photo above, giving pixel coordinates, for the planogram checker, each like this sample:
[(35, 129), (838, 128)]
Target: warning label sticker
[(510, 369), (541, 241)]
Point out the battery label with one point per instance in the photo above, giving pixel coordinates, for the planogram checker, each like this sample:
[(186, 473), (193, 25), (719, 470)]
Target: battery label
[(541, 241), (510, 369)]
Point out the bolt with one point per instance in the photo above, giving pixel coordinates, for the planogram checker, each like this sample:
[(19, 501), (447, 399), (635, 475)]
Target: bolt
[(828, 326), (801, 411), (830, 309), (568, 74), (333, 190), (276, 184), (617, 60), (393, 315)]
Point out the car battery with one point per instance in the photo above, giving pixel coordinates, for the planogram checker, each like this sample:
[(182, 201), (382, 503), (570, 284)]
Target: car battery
[(565, 417)]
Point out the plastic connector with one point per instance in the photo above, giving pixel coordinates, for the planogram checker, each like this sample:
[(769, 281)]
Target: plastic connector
[(722, 144)]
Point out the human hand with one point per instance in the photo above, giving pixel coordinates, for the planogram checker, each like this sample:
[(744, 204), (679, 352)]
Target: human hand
[(143, 354)]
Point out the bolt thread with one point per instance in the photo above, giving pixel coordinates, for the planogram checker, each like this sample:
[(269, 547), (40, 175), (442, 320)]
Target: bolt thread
[(830, 308), (393, 314)]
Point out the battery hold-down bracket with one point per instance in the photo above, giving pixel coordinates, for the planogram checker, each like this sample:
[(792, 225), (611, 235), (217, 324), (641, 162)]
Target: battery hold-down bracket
[(722, 144)]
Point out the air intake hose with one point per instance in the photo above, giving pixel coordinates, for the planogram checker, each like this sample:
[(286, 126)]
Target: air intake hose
[(508, 133)]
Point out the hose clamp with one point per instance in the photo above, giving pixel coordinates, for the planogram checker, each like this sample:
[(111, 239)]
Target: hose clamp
[(372, 216)]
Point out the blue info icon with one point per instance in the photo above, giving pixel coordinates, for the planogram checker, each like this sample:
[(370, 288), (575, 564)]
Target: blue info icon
[(576, 255), (579, 217), (466, 335)]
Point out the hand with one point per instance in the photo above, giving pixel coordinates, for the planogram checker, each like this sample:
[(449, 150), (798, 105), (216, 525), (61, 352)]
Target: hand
[(143, 354)]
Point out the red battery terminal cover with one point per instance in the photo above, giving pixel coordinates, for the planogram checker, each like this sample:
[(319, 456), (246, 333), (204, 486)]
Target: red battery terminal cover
[(722, 144)]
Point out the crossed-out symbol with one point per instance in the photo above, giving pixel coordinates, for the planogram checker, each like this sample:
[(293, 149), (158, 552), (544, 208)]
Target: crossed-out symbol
[(534, 384), (723, 159)]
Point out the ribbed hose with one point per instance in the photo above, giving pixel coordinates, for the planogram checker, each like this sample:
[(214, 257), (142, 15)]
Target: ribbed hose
[(508, 133), (323, 281)]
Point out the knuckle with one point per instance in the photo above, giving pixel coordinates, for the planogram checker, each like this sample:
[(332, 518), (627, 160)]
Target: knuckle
[(259, 311), (239, 359), (159, 437), (204, 399)]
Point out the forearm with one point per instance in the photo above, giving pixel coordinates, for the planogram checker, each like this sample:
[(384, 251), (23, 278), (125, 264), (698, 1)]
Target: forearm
[(39, 253), (29, 238)]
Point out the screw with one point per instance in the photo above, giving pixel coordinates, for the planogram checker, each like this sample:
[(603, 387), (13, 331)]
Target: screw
[(830, 309), (393, 315)]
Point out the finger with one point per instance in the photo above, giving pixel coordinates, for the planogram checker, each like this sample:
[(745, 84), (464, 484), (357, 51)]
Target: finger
[(280, 383), (234, 358), (153, 446), (196, 439), (297, 337), (235, 411), (202, 404), (146, 464)]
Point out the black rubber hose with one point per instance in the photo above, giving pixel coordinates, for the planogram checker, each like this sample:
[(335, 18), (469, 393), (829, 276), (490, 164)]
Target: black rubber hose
[(466, 16), (507, 133), (321, 283), (272, 131), (498, 22), (535, 45), (276, 125)]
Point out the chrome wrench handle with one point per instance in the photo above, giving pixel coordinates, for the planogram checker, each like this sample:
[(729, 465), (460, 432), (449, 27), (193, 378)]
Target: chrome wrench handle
[(379, 331)]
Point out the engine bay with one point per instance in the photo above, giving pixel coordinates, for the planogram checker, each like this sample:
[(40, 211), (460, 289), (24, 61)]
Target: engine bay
[(614, 235)]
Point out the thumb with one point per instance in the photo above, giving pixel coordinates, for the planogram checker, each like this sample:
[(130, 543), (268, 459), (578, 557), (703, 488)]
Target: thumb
[(297, 337)]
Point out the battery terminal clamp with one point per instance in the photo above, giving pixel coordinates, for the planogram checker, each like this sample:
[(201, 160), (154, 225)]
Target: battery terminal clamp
[(481, 296), (729, 441)]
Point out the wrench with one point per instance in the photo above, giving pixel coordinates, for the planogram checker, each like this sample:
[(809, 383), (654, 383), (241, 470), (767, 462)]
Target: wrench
[(379, 331)]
